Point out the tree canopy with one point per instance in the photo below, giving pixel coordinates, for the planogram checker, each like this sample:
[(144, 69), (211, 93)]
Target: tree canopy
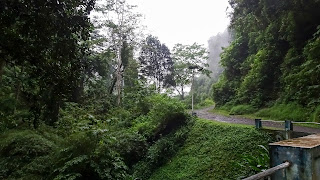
[(43, 47), (156, 62), (272, 57), (187, 60)]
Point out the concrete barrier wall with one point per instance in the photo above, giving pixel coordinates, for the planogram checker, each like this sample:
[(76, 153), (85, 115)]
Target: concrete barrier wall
[(304, 155)]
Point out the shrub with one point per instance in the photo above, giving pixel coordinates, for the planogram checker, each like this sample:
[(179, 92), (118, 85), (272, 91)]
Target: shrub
[(165, 115), (160, 152), (91, 147), (315, 116), (242, 109), (291, 111), (210, 151), (165, 127), (206, 103), (24, 152), (131, 145), (258, 161), (121, 118), (88, 156)]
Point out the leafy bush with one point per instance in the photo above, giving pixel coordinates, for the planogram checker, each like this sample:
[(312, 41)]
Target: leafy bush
[(165, 127), (206, 103), (96, 146), (88, 156), (165, 115), (121, 118), (23, 153), (160, 153), (291, 111), (131, 145), (242, 109), (210, 150), (223, 91), (43, 155), (315, 116), (257, 161)]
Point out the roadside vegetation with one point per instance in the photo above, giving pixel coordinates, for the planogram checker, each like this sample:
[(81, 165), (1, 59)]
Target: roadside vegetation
[(215, 151), (271, 67), (97, 146), (85, 94), (279, 112)]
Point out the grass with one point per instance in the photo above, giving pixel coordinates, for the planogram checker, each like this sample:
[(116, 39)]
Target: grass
[(291, 111), (278, 112), (221, 112), (211, 152), (206, 103), (242, 109)]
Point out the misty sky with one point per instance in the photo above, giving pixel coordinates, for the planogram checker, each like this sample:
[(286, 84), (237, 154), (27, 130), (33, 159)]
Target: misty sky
[(183, 21)]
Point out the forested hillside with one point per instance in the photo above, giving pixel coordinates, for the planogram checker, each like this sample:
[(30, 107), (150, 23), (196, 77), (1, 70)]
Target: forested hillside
[(86, 93), (75, 103), (274, 57), (216, 44), (203, 84)]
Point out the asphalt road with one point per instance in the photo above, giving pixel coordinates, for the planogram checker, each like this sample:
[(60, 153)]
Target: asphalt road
[(205, 114)]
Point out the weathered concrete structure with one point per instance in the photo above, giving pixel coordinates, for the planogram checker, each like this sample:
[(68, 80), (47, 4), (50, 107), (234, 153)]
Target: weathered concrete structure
[(303, 154)]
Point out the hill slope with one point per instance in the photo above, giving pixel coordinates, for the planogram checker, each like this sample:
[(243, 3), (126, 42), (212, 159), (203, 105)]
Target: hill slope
[(211, 152)]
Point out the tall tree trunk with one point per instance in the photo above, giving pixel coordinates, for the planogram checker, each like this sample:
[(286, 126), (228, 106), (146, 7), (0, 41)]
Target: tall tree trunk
[(182, 93), (17, 94), (119, 77), (114, 81), (159, 84), (77, 92)]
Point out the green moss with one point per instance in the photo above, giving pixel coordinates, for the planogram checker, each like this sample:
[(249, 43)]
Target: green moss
[(211, 150)]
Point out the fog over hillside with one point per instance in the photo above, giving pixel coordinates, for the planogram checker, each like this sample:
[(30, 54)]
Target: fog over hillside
[(216, 44)]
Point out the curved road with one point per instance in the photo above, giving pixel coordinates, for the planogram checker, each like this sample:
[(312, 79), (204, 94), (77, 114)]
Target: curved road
[(203, 113)]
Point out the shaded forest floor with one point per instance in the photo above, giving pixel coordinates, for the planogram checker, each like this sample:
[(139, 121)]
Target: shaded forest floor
[(234, 119)]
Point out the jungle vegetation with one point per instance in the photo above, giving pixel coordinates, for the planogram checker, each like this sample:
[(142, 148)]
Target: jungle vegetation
[(273, 59), (85, 95)]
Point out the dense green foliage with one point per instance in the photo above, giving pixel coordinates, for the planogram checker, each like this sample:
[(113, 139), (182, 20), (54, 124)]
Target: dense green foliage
[(242, 109), (97, 146), (189, 60), (75, 102), (258, 162), (60, 116), (203, 84), (211, 151), (42, 56), (274, 57), (156, 62)]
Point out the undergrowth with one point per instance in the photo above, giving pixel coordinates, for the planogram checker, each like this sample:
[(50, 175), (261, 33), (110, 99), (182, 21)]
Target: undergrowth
[(87, 145), (290, 111), (211, 151), (206, 103), (242, 109)]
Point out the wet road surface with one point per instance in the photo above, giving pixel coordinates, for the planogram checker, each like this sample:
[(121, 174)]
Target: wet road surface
[(205, 114)]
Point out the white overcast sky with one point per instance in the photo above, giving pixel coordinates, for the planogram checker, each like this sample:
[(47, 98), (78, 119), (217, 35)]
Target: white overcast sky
[(183, 21)]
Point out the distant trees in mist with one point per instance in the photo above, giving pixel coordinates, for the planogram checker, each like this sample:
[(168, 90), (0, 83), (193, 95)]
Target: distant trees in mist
[(215, 45)]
